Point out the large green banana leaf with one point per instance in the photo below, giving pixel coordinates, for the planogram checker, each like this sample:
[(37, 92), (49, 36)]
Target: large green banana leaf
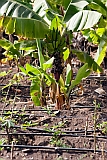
[(21, 20), (97, 5), (40, 8), (85, 58), (77, 18)]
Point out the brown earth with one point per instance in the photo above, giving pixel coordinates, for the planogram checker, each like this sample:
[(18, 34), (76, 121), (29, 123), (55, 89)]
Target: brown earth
[(78, 123)]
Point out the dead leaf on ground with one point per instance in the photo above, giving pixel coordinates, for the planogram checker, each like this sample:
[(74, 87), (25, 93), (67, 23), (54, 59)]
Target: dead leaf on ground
[(100, 91)]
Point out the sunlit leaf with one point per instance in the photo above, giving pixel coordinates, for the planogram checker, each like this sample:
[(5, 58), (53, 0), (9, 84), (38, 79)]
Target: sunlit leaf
[(99, 6), (26, 45), (68, 75), (19, 19), (35, 92), (40, 8), (101, 52), (41, 58), (100, 31), (49, 78), (74, 7), (31, 69), (85, 58), (7, 45), (83, 20), (48, 64), (4, 73), (66, 54), (83, 72)]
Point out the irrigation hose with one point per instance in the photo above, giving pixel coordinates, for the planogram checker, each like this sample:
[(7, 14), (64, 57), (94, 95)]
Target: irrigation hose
[(53, 148)]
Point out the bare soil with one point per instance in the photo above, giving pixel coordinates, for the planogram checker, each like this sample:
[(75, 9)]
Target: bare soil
[(77, 124)]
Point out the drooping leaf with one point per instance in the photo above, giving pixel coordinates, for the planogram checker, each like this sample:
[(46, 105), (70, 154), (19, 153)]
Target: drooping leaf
[(41, 58), (83, 20), (85, 58), (83, 72), (68, 75), (13, 8), (31, 69), (28, 28), (101, 52), (78, 18), (66, 54), (40, 8), (49, 78), (35, 92), (7, 45), (48, 64), (21, 20), (97, 5), (26, 3), (74, 7), (26, 45)]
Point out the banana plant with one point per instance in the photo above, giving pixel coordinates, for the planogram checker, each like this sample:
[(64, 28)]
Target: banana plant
[(99, 35), (31, 22), (39, 79), (18, 18), (57, 48), (76, 14)]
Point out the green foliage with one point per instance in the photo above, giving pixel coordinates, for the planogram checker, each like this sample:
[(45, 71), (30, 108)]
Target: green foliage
[(40, 7), (83, 72), (31, 23), (103, 127), (34, 29), (2, 141), (35, 92), (55, 139), (48, 64), (98, 6), (7, 45), (78, 18), (38, 77), (4, 73), (85, 58), (55, 129), (99, 35), (66, 54), (83, 20), (26, 45), (41, 58), (15, 16), (68, 75)]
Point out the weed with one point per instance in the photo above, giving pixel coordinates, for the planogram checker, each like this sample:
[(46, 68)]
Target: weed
[(7, 124), (48, 110), (103, 127), (59, 158), (2, 141), (81, 157), (56, 138)]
